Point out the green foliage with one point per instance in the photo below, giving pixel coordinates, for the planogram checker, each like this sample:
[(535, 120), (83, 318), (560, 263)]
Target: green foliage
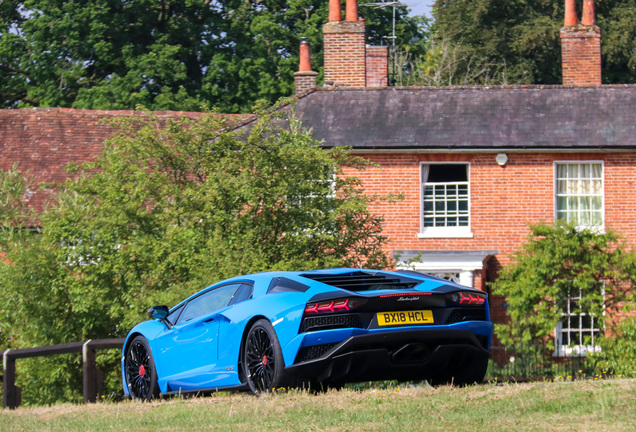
[(15, 188), (520, 38), (168, 55), (169, 208), (555, 263), (618, 351)]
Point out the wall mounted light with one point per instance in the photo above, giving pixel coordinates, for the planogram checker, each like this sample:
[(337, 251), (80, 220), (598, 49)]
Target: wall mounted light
[(502, 159)]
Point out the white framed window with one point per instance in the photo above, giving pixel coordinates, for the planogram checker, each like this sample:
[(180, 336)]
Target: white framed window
[(577, 332), (445, 200), (579, 193)]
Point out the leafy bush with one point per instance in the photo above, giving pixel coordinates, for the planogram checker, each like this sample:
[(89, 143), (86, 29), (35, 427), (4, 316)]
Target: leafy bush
[(618, 354), (556, 263)]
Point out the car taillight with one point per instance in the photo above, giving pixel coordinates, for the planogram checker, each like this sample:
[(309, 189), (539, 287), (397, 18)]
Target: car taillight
[(468, 298), (340, 305)]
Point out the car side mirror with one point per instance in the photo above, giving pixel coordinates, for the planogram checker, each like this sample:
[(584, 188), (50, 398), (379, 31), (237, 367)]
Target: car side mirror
[(158, 312)]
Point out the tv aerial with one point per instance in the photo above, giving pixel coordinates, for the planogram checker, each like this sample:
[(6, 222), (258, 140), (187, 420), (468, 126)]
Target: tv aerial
[(382, 5)]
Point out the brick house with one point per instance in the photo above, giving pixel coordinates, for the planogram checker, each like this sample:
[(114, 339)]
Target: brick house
[(475, 164)]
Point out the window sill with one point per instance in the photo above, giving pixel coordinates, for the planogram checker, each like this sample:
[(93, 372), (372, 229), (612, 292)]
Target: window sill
[(451, 232)]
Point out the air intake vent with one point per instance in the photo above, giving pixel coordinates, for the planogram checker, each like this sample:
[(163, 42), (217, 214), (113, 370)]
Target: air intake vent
[(363, 281), (459, 315), (330, 322), (312, 352)]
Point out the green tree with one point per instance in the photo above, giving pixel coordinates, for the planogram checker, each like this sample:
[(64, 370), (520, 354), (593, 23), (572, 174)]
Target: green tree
[(166, 55), (555, 264), (166, 210), (520, 38)]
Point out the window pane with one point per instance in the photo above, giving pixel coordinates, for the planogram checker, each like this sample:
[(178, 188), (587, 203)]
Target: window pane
[(447, 173), (573, 203), (585, 218), (573, 187), (562, 171), (585, 187), (207, 302), (573, 217), (562, 186), (584, 171), (562, 203), (573, 170), (585, 203)]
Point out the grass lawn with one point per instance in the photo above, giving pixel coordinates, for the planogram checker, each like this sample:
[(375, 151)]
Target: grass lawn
[(604, 405)]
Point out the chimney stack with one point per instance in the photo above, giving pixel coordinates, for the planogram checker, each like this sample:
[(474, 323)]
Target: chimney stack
[(305, 78), (345, 47), (580, 46)]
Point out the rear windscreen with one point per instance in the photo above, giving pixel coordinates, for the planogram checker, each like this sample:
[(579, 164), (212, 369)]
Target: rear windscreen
[(364, 281)]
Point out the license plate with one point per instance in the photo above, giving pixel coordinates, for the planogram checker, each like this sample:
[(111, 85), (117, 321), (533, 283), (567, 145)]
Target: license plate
[(405, 317)]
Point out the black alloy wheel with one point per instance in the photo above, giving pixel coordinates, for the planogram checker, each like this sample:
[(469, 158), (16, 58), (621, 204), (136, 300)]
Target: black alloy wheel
[(263, 359), (141, 376)]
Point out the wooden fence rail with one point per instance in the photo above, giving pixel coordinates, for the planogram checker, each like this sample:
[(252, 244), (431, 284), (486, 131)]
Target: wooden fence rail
[(12, 394)]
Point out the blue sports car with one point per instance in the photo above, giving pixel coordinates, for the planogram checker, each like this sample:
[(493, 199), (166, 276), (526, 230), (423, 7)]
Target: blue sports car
[(313, 328)]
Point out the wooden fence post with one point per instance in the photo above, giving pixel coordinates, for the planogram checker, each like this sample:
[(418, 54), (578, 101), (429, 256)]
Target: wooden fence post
[(90, 373), (8, 381)]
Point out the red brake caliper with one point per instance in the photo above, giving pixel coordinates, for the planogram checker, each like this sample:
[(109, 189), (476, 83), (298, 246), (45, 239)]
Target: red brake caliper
[(142, 371)]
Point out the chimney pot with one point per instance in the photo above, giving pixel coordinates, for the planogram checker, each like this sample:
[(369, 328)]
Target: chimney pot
[(352, 10), (588, 18), (305, 64), (335, 11), (570, 14)]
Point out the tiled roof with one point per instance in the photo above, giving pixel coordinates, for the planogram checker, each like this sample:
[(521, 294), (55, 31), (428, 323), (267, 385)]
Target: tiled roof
[(470, 118), (44, 140)]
